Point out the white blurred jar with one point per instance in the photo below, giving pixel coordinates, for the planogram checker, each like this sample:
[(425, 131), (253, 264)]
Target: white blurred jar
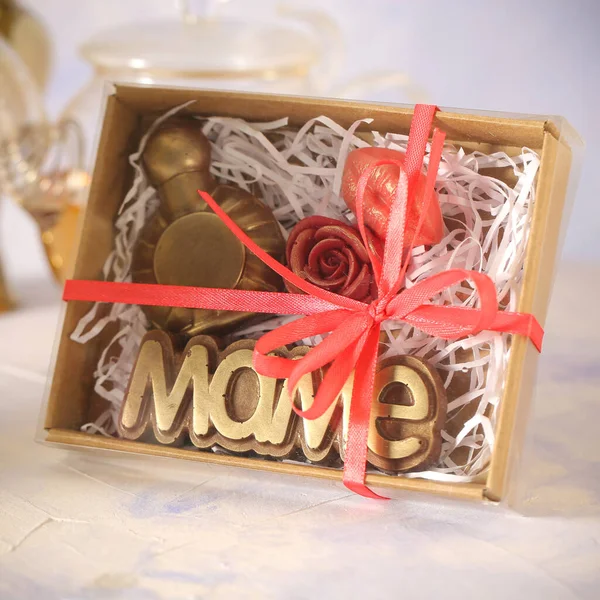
[(301, 57)]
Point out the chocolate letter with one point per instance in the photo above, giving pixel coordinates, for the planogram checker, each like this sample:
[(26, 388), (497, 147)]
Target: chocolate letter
[(407, 416)]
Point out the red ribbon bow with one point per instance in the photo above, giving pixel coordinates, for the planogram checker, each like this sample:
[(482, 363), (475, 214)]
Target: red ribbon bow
[(354, 326)]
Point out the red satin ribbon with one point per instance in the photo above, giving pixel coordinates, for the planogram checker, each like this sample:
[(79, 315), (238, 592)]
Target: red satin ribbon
[(354, 327)]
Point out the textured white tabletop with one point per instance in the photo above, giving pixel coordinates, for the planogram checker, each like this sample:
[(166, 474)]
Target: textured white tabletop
[(83, 526)]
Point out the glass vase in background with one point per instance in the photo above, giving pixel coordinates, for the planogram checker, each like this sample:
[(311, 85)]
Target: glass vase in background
[(40, 163), (291, 51)]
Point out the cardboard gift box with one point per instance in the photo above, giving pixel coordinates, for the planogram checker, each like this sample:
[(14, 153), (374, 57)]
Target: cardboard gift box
[(71, 401)]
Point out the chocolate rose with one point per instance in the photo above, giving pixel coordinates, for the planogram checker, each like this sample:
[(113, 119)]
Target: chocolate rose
[(332, 256)]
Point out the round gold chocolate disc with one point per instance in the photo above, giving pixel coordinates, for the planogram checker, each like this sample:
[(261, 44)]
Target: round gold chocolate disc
[(199, 250)]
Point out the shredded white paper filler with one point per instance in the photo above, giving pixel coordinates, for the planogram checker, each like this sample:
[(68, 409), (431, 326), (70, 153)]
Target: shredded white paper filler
[(299, 173)]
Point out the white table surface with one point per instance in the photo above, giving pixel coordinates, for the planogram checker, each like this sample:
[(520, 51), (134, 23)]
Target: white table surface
[(79, 525)]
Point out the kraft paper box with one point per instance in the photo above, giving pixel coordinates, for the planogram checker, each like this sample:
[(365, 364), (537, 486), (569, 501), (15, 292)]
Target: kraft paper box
[(72, 401)]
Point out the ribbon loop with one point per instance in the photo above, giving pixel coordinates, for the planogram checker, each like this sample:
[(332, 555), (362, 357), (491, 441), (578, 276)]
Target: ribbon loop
[(417, 296)]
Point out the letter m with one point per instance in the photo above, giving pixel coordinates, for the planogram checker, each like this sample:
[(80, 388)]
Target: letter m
[(160, 394)]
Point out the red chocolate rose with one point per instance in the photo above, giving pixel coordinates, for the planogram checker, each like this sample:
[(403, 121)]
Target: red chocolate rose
[(381, 191), (332, 256)]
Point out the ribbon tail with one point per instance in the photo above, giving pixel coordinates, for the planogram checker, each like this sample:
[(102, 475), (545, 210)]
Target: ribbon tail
[(452, 322), (355, 460)]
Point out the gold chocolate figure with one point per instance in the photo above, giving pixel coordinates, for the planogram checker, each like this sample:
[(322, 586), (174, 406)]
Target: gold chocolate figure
[(185, 243)]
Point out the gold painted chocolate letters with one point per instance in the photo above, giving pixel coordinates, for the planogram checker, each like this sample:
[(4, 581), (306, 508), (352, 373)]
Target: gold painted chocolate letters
[(219, 399)]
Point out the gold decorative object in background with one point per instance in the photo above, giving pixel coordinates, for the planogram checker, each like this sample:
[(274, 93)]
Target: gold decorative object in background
[(185, 243), (5, 300), (59, 230), (27, 35)]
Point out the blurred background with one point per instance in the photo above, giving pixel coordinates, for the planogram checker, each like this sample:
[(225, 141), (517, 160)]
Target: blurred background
[(141, 530), (539, 56)]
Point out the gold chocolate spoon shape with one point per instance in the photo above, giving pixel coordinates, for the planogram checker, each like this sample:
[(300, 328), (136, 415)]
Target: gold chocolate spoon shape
[(185, 243)]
